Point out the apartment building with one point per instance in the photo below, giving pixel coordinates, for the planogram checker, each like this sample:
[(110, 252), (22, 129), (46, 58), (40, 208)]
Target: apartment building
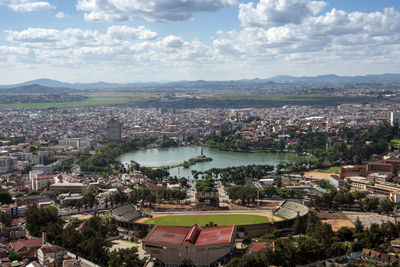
[(7, 164)]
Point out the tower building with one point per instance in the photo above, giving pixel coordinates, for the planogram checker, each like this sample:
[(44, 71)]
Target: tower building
[(113, 130)]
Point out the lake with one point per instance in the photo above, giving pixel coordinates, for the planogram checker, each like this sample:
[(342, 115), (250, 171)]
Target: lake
[(221, 159)]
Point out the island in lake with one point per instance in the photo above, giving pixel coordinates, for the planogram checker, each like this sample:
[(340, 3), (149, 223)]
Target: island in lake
[(199, 158)]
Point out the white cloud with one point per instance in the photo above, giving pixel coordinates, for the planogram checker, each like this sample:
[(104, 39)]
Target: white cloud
[(26, 5), (172, 41), (334, 41), (155, 10), (125, 32), (33, 35), (278, 12), (74, 37), (60, 15), (117, 46), (326, 32)]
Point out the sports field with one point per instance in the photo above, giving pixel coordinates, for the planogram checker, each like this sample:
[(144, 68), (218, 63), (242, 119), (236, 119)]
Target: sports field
[(219, 219)]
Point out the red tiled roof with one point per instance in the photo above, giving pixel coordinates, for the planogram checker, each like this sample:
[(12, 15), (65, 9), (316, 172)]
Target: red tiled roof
[(68, 178), (168, 235), (257, 246), (47, 176), (30, 243), (215, 235), (177, 235)]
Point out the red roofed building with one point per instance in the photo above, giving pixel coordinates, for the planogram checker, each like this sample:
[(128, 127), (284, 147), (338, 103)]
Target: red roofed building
[(200, 246), (27, 247), (257, 246)]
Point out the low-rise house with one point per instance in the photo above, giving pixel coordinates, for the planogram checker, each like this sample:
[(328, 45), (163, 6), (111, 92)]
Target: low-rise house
[(257, 246), (27, 246), (379, 257)]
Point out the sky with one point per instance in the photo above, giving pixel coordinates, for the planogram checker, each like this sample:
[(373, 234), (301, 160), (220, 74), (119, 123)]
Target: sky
[(169, 40)]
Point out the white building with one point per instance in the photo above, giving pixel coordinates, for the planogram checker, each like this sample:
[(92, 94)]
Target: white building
[(394, 117), (23, 156), (40, 182), (49, 254), (336, 181), (76, 143)]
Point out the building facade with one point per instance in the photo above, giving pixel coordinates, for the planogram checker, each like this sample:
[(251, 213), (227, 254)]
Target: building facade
[(7, 164), (174, 246), (113, 130)]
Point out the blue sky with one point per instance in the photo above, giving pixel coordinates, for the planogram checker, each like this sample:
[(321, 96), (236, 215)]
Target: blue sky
[(143, 40)]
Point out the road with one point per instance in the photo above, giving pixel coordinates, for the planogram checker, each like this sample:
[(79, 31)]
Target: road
[(223, 197)]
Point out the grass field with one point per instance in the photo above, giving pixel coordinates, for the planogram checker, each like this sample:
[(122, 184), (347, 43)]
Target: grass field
[(334, 169), (228, 98), (202, 220), (92, 100)]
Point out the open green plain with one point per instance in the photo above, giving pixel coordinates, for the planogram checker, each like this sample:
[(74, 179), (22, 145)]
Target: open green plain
[(203, 219), (97, 99), (220, 98)]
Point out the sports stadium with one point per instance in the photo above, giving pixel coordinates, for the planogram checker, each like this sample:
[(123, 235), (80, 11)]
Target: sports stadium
[(253, 223), (202, 238)]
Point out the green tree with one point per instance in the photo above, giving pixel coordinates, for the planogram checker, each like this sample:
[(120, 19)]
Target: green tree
[(338, 249), (286, 253), (234, 262), (358, 226), (386, 206), (5, 218), (14, 256), (183, 181), (5, 197), (247, 240), (370, 204), (38, 218), (344, 234), (299, 225), (90, 198), (312, 221), (309, 249), (125, 258), (324, 234)]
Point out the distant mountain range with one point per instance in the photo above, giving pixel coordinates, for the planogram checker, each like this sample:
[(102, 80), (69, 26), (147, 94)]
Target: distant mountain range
[(53, 86), (372, 78)]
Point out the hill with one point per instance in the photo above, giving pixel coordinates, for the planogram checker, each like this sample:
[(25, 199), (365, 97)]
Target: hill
[(202, 84)]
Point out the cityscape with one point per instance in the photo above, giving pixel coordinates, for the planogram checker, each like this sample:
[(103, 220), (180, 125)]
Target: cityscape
[(201, 133)]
